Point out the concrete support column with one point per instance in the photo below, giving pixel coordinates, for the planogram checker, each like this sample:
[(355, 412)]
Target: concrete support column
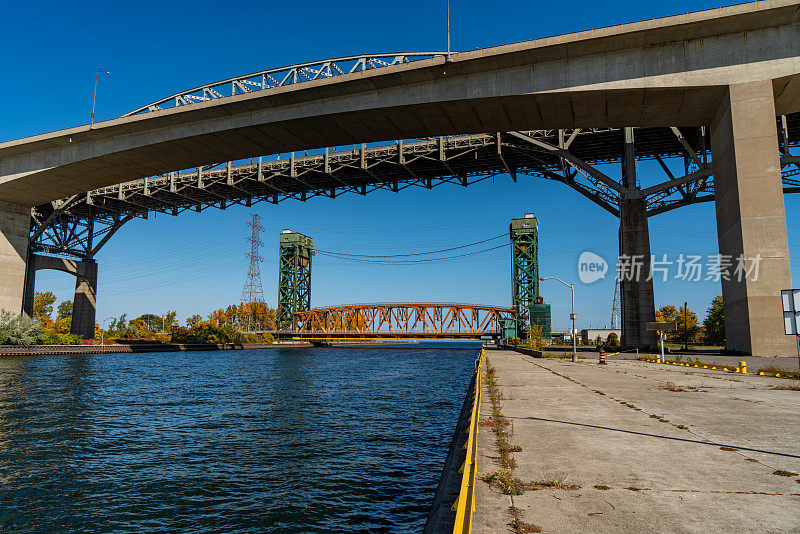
[(84, 306), (636, 286), (751, 219), (638, 301), (30, 285), (15, 224)]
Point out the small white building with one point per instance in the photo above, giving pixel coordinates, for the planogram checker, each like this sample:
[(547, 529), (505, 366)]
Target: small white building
[(589, 335), (561, 336)]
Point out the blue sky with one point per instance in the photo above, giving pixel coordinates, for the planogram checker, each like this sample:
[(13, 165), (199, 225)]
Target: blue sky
[(196, 263)]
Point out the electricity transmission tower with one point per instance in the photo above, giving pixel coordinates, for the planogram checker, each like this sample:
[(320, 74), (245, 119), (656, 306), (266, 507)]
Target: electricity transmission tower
[(253, 292), (615, 312)]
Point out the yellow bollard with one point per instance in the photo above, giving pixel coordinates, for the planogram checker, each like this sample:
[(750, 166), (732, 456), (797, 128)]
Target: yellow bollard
[(737, 370), (761, 373), (696, 365), (713, 367), (777, 375), (705, 367), (743, 367)]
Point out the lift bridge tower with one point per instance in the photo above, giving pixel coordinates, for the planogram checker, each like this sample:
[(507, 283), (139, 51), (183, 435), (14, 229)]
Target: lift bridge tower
[(525, 297), (294, 277)]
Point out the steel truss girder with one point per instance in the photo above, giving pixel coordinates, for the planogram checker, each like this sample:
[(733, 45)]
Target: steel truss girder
[(62, 234), (433, 320), (566, 156), (666, 200)]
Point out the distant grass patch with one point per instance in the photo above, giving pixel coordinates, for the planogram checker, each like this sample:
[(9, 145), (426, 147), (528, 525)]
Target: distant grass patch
[(601, 487), (782, 473), (557, 355), (672, 386)]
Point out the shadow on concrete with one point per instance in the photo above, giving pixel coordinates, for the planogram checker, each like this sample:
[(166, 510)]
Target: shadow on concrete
[(714, 444)]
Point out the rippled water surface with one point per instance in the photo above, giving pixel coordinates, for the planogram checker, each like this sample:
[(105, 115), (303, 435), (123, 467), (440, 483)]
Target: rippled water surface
[(286, 440)]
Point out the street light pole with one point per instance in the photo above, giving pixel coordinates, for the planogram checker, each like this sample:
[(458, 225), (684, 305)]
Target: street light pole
[(103, 331), (448, 28), (685, 327), (572, 314)]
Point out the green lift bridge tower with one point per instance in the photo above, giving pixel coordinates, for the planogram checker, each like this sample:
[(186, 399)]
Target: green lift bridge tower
[(294, 277), (525, 298)]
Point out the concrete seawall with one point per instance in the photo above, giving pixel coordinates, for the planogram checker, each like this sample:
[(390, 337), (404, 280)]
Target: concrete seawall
[(440, 516)]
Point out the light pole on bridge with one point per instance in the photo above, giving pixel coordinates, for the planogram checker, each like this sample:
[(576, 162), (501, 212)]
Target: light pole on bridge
[(572, 314)]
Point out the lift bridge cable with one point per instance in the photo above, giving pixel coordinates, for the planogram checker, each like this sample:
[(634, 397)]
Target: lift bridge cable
[(409, 262), (345, 254)]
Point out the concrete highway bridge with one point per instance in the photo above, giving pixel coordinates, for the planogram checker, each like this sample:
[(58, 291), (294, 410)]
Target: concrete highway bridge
[(403, 320), (716, 91)]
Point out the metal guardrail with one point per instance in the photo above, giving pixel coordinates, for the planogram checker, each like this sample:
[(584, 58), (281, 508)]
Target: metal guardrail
[(465, 503)]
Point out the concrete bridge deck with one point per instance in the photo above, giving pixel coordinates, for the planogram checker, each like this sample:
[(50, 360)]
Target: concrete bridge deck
[(572, 426)]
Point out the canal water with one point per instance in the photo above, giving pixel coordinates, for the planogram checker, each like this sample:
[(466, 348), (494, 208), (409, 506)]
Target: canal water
[(284, 440)]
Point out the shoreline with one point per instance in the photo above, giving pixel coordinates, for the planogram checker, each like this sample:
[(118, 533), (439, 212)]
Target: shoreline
[(60, 350), (54, 350)]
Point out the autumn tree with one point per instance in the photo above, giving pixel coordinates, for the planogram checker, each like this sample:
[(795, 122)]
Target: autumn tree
[(169, 320), (43, 307), (687, 324), (64, 310), (194, 320), (535, 338), (151, 322), (715, 322)]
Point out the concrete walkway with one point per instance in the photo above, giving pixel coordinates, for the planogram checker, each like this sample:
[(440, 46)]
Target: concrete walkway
[(571, 423)]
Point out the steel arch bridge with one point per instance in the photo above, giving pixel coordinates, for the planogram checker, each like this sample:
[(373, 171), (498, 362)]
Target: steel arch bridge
[(401, 320), (283, 76)]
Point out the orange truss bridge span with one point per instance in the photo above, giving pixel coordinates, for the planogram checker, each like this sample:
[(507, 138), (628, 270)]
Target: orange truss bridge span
[(429, 320)]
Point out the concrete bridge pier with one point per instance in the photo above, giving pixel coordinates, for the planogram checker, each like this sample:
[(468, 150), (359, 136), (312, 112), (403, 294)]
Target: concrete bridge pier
[(636, 285), (15, 224), (84, 305), (751, 220)]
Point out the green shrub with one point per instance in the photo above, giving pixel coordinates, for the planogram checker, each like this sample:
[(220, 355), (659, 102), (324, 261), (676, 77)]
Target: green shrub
[(207, 333), (612, 340), (266, 337), (19, 329), (53, 338), (535, 338)]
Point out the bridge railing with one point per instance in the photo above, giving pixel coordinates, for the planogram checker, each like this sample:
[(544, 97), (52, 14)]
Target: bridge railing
[(465, 503)]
